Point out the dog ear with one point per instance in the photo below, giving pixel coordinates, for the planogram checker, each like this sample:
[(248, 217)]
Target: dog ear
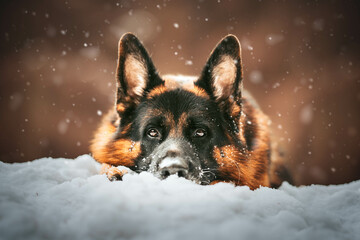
[(136, 74), (221, 77)]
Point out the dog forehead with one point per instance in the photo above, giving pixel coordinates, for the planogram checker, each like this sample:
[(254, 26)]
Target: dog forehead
[(177, 103), (177, 97)]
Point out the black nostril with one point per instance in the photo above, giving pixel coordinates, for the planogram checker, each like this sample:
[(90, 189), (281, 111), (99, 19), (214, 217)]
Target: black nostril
[(165, 173), (181, 173)]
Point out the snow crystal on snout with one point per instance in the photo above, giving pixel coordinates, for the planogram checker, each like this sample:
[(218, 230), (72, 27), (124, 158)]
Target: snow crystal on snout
[(68, 199)]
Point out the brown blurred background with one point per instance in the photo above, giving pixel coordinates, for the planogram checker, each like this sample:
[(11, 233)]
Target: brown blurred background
[(301, 61)]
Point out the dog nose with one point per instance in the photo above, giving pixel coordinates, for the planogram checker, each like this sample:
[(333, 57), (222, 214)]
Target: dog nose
[(173, 166)]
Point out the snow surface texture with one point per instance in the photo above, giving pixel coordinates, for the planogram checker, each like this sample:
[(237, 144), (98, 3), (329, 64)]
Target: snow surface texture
[(67, 199)]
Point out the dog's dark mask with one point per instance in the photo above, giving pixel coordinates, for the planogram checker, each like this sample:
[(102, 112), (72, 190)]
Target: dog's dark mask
[(178, 128)]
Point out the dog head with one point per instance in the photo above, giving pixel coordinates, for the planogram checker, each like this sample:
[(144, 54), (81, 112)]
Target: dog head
[(186, 126)]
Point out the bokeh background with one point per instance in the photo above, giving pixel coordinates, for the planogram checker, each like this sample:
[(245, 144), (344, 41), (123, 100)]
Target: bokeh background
[(301, 62)]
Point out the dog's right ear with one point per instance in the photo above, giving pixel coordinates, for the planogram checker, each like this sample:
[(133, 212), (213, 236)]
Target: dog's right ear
[(136, 74)]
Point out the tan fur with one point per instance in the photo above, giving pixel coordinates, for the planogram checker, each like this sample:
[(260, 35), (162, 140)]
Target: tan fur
[(105, 150), (242, 167), (224, 72), (136, 73), (111, 171), (156, 91)]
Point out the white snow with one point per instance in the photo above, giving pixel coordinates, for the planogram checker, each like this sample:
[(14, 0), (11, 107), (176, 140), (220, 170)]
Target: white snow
[(67, 199)]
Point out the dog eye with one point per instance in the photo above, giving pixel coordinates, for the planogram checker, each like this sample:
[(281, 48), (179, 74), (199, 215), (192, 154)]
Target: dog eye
[(200, 132), (153, 133)]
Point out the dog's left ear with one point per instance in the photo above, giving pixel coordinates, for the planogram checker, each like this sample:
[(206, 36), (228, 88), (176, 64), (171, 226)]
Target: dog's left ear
[(221, 77)]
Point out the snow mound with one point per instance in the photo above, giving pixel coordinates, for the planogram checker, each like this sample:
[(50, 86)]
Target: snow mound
[(67, 199)]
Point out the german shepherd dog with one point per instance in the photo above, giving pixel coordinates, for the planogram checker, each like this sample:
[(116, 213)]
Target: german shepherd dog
[(206, 129)]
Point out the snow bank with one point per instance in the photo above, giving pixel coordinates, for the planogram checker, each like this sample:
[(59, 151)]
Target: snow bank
[(66, 199)]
